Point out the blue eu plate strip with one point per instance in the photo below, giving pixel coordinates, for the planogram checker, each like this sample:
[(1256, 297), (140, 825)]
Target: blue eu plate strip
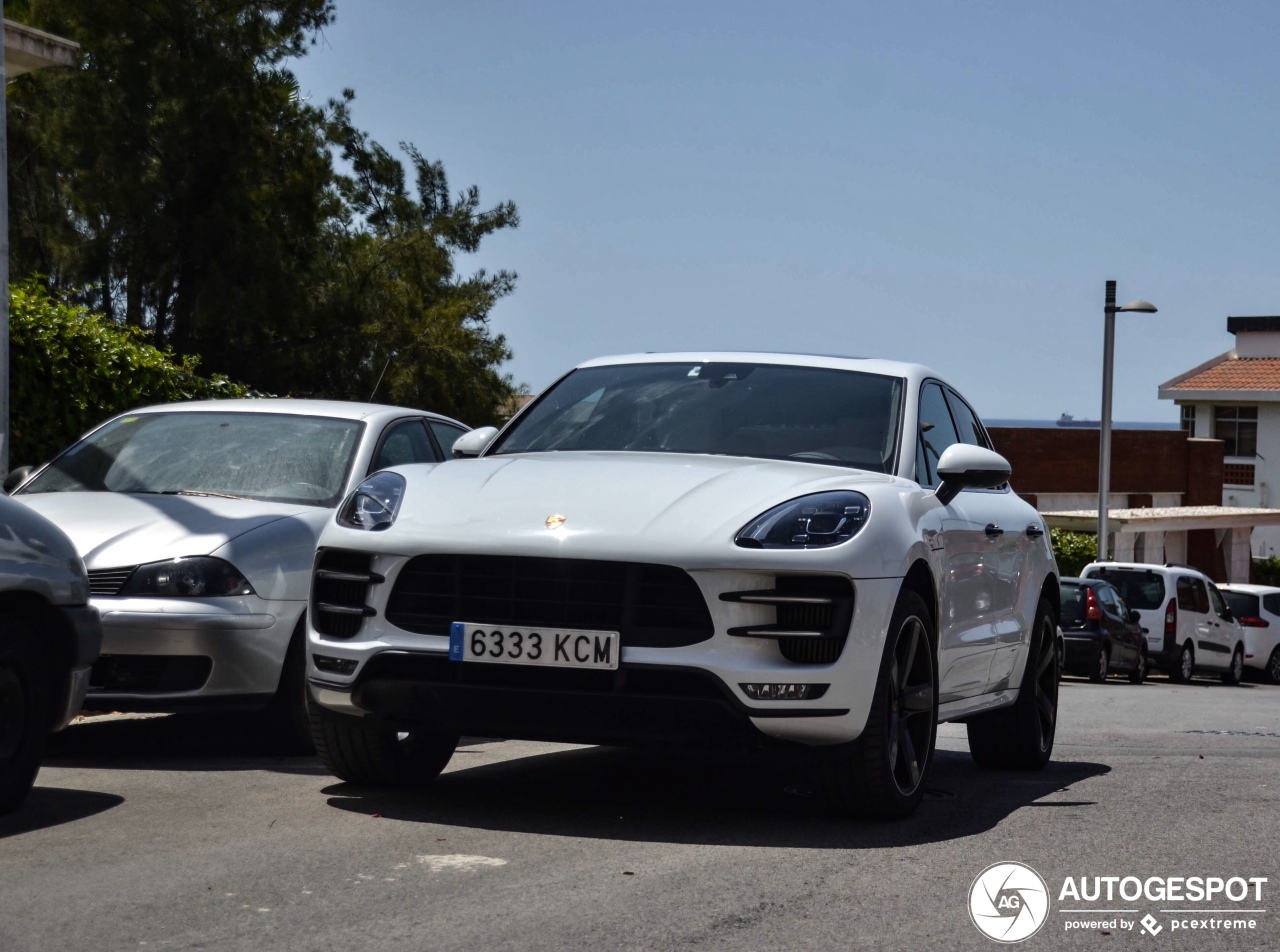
[(457, 635)]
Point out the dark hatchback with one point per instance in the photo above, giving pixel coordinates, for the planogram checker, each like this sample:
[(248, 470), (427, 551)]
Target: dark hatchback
[(1101, 634)]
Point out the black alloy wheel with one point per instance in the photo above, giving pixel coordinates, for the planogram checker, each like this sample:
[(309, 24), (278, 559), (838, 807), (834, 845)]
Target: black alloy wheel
[(911, 710), (1020, 737), (882, 774)]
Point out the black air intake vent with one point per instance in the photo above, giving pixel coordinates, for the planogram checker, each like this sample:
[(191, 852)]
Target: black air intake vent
[(813, 616), (339, 590), (651, 605), (109, 581)]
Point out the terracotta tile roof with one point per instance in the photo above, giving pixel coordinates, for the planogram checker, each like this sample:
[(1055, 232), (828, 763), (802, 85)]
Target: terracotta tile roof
[(1235, 373)]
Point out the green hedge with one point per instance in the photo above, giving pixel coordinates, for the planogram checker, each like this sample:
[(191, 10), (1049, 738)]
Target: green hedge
[(71, 369), (1073, 550)]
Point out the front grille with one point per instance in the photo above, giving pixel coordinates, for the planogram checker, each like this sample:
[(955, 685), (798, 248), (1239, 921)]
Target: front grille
[(339, 590), (656, 606), (109, 581)]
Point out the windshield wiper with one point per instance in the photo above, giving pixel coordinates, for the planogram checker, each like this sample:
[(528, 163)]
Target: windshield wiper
[(199, 492)]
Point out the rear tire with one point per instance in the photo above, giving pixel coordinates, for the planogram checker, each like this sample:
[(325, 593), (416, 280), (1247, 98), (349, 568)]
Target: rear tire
[(1139, 672), (358, 750), (1101, 664), (1273, 666), (1185, 665), (881, 775), (1020, 737), (25, 715), (1235, 673)]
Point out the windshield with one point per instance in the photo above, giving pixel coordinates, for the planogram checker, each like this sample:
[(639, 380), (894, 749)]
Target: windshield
[(810, 414), (270, 456), (1142, 589)]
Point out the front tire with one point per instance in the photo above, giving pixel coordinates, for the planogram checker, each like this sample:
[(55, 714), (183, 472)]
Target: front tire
[(1235, 673), (359, 750), (25, 716), (1101, 664), (881, 774), (287, 718), (1020, 737), (1139, 672)]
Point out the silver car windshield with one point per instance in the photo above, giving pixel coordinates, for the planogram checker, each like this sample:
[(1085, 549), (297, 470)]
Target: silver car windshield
[(766, 411), (269, 456)]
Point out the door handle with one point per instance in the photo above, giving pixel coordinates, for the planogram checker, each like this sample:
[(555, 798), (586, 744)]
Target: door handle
[(993, 530), (1035, 530)]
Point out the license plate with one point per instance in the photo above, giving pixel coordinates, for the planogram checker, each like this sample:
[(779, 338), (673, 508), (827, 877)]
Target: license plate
[(561, 648)]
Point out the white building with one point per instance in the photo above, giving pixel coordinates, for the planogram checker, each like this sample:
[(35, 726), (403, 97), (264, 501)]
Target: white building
[(1235, 397)]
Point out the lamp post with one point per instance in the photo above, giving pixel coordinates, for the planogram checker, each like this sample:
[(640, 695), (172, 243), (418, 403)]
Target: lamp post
[(1108, 362)]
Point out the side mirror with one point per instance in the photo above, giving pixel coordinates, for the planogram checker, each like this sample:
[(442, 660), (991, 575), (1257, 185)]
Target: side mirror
[(1134, 617), (964, 466), (474, 442), (16, 478)]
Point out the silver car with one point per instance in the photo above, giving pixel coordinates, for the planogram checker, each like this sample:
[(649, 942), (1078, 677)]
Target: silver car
[(198, 525)]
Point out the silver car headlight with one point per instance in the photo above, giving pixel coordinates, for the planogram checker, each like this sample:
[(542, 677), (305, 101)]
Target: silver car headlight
[(374, 504), (809, 522), (194, 577)]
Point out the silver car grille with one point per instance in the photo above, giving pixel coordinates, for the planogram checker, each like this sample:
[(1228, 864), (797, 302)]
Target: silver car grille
[(109, 581)]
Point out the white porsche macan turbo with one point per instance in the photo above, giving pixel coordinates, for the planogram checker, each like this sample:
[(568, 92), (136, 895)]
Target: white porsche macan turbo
[(697, 549)]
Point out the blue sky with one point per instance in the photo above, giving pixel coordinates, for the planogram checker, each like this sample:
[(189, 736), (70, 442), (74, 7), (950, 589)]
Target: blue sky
[(950, 183)]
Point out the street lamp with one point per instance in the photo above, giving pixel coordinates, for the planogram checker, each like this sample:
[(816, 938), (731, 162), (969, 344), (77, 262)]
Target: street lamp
[(1108, 360)]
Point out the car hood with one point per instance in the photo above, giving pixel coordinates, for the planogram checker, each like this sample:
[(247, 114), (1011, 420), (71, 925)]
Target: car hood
[(639, 502), (117, 529)]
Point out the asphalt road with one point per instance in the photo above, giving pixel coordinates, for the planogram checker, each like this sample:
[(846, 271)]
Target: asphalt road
[(168, 833)]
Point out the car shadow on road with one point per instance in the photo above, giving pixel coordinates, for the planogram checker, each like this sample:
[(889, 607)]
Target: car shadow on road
[(196, 742), (52, 806), (609, 793)]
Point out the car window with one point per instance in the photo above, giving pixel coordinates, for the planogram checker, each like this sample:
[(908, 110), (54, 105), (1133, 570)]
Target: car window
[(1140, 588), (446, 435), (937, 432), (1192, 596), (1272, 603), (1242, 604), (405, 442), (1074, 603), (1219, 606), (967, 426), (816, 415), (280, 457), (1107, 595)]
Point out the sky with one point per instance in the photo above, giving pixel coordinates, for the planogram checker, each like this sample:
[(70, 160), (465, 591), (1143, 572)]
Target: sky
[(950, 183)]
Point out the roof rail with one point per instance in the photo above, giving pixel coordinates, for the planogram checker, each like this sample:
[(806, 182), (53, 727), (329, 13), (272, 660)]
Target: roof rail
[(1180, 565)]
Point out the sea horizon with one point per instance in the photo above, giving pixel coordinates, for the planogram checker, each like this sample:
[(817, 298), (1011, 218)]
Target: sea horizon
[(1089, 424)]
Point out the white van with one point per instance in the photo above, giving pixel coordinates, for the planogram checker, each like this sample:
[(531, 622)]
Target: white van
[(1188, 626)]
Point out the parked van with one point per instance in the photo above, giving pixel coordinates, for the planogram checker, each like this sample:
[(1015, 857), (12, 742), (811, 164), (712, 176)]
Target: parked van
[(1188, 626)]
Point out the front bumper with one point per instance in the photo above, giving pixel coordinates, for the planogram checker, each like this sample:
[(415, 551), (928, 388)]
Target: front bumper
[(638, 704), (689, 694), (190, 654)]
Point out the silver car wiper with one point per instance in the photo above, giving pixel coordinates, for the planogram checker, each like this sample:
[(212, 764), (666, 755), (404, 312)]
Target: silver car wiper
[(199, 492)]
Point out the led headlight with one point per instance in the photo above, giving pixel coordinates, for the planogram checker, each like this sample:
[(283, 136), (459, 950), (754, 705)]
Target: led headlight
[(195, 577), (810, 522), (374, 504)]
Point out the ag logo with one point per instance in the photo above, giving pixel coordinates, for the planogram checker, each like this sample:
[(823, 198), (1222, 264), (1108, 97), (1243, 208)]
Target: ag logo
[(1008, 902)]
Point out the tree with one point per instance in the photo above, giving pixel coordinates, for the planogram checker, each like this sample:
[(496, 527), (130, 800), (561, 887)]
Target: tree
[(179, 181)]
